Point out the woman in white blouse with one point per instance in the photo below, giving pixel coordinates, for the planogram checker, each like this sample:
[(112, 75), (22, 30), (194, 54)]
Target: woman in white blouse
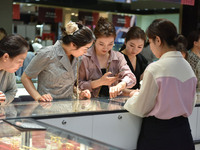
[(167, 95)]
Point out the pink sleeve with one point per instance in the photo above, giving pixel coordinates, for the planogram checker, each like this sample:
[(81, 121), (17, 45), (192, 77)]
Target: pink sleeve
[(83, 75), (126, 74)]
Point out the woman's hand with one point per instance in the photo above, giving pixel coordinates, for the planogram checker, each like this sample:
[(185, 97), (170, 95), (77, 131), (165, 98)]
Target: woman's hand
[(45, 98), (85, 94), (116, 90), (107, 80)]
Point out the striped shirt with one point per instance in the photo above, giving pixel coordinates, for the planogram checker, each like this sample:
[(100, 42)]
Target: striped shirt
[(56, 75)]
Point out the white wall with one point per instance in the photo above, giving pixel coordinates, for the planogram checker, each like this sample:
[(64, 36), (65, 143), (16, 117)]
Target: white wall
[(144, 21), (27, 31)]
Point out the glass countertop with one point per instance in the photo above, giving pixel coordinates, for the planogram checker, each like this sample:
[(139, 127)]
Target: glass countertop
[(33, 109), (68, 107), (43, 137)]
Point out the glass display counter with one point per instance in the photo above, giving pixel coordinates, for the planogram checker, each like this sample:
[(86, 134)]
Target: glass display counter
[(100, 119), (65, 107), (28, 134), (194, 120)]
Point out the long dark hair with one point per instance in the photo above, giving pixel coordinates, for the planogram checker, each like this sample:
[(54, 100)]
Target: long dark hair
[(81, 37), (13, 45), (167, 32), (134, 33), (193, 36)]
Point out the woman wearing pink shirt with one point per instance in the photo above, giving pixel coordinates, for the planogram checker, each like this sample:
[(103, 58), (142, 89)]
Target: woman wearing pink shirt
[(167, 95), (104, 71)]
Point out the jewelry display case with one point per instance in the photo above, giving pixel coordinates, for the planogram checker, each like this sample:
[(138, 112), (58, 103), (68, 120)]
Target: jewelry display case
[(101, 119), (28, 134)]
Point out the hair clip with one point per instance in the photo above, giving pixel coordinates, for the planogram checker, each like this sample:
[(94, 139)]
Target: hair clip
[(71, 27)]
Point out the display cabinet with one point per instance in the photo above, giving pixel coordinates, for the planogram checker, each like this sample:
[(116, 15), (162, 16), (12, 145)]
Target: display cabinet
[(197, 140), (100, 119), (198, 126), (193, 122), (28, 134)]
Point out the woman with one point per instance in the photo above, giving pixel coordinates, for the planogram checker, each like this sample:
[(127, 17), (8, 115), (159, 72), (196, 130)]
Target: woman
[(134, 43), (103, 71), (56, 66), (28, 59), (13, 51), (167, 95), (193, 56)]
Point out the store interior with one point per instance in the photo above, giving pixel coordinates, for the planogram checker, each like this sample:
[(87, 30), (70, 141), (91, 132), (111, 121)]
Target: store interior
[(88, 123), (40, 20), (36, 21)]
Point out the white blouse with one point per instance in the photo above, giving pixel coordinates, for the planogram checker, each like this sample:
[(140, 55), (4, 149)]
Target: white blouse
[(168, 89)]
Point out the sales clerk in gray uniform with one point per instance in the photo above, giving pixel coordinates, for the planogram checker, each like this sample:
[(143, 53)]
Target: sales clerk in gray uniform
[(56, 65), (13, 51)]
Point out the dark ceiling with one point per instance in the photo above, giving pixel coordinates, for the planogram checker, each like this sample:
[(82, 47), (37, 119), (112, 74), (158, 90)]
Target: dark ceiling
[(136, 7)]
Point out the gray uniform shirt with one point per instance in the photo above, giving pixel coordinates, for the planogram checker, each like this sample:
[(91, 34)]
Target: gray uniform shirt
[(56, 75), (8, 86)]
